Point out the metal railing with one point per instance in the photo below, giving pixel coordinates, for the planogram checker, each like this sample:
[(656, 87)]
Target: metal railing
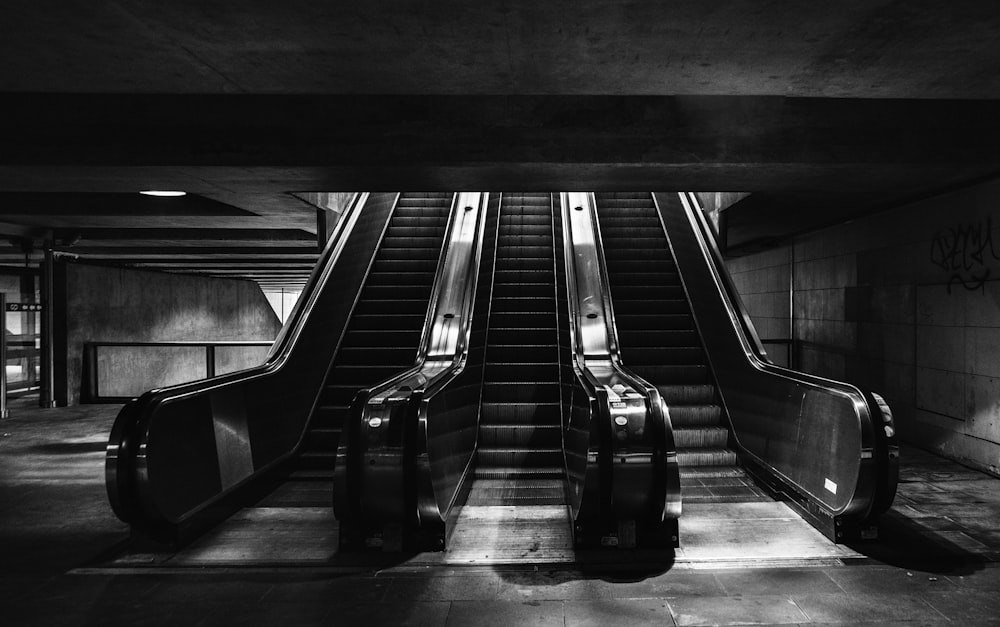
[(96, 357)]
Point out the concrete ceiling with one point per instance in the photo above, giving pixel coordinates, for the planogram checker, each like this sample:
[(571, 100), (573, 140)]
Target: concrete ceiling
[(864, 103), (855, 49)]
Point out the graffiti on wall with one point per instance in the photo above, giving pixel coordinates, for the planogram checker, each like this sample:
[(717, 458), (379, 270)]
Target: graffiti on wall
[(965, 252)]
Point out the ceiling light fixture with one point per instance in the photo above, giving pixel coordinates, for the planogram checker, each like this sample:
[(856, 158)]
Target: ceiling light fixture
[(162, 193)]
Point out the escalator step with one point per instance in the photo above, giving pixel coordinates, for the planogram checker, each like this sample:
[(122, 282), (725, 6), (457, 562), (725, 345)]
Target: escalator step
[(520, 413), (331, 416), (523, 290), (518, 263), (695, 415), (361, 376), (511, 320), (401, 306), (651, 306), (647, 280), (512, 249), (523, 304), (519, 436), (521, 373), (374, 322), (403, 252), (317, 460), (383, 338), (499, 392), (512, 353), (392, 292), (702, 472), (395, 241), (399, 266), (624, 293), (516, 493), (529, 335), (666, 355), (626, 266), (380, 356), (687, 394), (663, 322), (659, 337), (322, 439), (705, 457), (507, 457), (675, 374), (622, 243), (700, 437), (520, 473), (537, 241), (422, 278)]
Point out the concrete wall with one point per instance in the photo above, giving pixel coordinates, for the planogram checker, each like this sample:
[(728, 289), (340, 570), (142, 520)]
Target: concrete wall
[(905, 303), (103, 304)]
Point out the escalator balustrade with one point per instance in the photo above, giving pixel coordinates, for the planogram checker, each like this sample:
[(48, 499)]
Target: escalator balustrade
[(660, 342), (384, 331)]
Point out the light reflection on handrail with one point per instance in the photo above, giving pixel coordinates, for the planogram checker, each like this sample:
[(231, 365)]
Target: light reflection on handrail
[(641, 459), (378, 456)]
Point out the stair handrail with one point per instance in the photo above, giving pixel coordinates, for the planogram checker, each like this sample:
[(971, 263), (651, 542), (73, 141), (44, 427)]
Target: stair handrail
[(833, 505), (377, 479), (632, 437)]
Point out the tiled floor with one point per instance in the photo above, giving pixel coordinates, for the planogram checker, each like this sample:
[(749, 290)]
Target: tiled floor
[(937, 562)]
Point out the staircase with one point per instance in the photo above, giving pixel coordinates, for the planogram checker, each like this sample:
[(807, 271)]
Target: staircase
[(659, 342), (519, 457)]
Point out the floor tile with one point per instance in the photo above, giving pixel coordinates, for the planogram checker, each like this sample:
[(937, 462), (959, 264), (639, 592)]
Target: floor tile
[(456, 588), (505, 613), (552, 586), (614, 612), (756, 610), (670, 585), (419, 613), (852, 607), (775, 581)]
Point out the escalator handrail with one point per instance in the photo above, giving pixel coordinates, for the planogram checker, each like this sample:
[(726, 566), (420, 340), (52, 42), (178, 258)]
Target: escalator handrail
[(738, 312), (306, 302), (125, 472), (755, 356)]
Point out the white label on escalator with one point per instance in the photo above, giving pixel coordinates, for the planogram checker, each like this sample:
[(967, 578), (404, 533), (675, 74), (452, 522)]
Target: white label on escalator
[(830, 486)]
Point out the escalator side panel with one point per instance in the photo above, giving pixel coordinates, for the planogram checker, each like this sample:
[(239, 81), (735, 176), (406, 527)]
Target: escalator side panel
[(813, 434), (458, 404), (270, 404)]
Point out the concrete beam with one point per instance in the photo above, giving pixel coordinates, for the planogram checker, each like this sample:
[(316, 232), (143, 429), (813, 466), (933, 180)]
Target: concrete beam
[(441, 142)]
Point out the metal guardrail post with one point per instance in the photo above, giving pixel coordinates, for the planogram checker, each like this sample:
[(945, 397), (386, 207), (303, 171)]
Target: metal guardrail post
[(4, 412), (47, 397)]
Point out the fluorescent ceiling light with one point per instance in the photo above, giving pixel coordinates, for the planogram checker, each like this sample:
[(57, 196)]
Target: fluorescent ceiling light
[(158, 192)]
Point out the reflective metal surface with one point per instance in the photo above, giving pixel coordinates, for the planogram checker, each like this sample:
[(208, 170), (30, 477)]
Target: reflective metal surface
[(176, 452), (403, 456), (630, 452), (822, 439)]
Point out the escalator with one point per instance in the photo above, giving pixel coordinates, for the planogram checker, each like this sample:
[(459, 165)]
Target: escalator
[(182, 459), (384, 331), (559, 458), (826, 448), (484, 396), (659, 341), (519, 456)]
